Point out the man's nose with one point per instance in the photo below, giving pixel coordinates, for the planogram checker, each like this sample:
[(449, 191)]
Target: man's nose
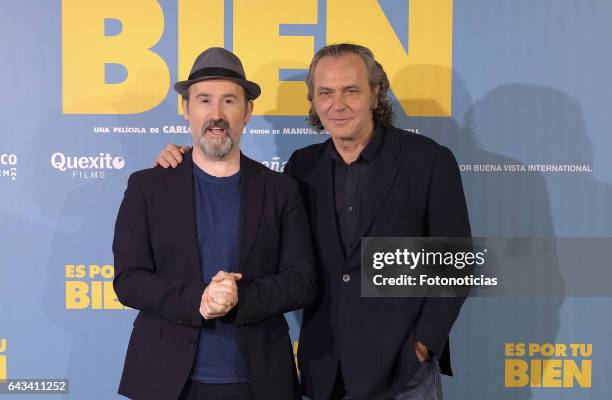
[(338, 102), (217, 110)]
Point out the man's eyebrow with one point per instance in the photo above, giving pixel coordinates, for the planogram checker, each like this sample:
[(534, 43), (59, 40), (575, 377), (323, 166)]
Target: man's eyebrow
[(343, 88), (225, 95)]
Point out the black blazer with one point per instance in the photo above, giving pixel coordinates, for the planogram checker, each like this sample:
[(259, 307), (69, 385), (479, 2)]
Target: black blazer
[(157, 264), (416, 191)]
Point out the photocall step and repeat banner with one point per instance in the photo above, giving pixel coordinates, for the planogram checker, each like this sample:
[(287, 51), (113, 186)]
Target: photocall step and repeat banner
[(519, 90)]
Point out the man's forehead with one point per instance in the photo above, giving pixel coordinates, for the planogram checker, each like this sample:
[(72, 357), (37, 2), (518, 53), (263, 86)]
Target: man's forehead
[(216, 87), (345, 68)]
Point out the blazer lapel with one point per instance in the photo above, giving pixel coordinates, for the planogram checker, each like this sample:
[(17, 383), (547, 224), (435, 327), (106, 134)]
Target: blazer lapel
[(324, 214), (180, 190), (252, 197), (381, 182)]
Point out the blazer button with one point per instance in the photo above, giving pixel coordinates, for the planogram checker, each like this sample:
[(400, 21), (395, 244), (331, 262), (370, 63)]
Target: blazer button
[(346, 278), (192, 342)]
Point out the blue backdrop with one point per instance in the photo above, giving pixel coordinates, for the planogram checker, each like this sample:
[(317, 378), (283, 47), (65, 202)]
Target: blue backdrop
[(519, 90)]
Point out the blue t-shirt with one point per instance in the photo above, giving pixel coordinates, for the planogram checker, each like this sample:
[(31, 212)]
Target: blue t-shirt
[(217, 207)]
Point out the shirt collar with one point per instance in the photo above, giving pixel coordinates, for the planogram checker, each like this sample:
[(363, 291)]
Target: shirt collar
[(367, 154)]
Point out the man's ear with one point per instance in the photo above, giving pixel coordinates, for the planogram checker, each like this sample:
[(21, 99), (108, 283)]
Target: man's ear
[(249, 111), (376, 93), (185, 104)]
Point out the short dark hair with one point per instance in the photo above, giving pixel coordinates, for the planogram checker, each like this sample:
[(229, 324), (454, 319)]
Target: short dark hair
[(383, 113)]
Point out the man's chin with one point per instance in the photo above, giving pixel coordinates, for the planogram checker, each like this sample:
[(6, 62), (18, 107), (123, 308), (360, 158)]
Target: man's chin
[(215, 140), (216, 150), (342, 135)]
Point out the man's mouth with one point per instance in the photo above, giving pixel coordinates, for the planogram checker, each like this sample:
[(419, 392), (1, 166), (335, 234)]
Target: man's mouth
[(216, 131), (340, 120), (217, 127)]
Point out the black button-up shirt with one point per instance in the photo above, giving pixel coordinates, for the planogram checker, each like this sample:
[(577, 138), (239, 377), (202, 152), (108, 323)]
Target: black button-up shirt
[(350, 184)]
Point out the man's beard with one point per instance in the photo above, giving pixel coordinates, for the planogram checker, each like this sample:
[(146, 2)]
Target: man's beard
[(217, 147)]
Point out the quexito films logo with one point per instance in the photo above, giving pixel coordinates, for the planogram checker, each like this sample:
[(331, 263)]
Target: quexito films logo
[(87, 167), (8, 166)]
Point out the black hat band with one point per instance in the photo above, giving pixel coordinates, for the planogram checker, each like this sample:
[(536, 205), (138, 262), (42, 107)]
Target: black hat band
[(214, 71)]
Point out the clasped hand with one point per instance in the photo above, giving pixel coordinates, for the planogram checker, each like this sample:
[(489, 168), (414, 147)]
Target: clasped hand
[(220, 296)]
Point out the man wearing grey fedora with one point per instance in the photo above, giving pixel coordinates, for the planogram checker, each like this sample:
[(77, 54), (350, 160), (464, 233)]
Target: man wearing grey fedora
[(212, 254)]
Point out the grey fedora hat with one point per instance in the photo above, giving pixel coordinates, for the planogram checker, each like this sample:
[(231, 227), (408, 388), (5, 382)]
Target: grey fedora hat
[(218, 63)]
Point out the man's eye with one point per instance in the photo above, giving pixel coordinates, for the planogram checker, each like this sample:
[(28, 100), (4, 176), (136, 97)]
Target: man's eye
[(229, 101), (204, 101)]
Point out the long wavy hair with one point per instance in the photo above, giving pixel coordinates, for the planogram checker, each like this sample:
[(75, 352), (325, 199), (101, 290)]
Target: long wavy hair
[(383, 113)]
